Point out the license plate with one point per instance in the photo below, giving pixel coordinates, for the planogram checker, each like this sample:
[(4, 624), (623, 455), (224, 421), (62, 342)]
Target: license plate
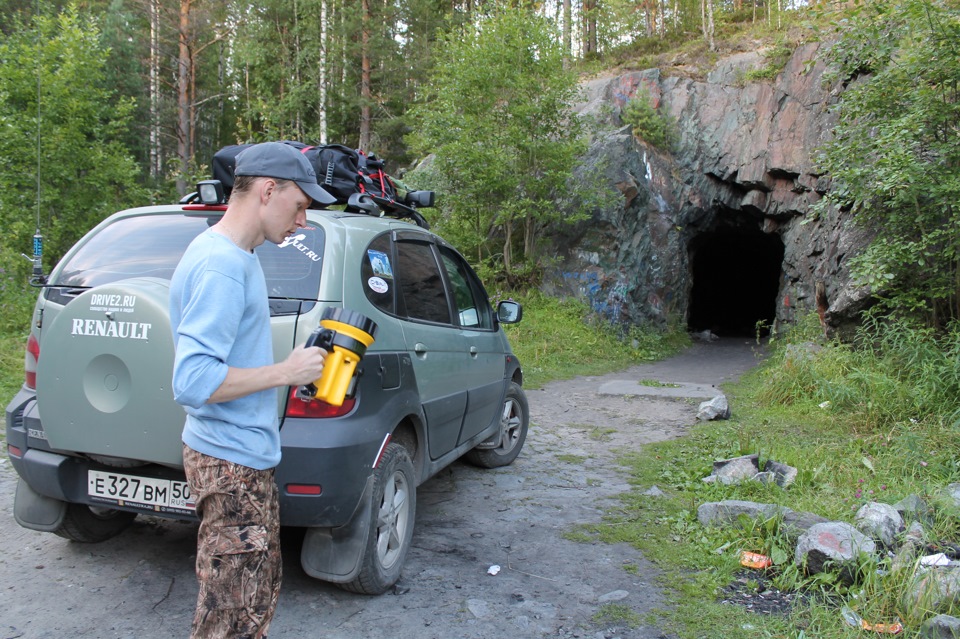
[(159, 495)]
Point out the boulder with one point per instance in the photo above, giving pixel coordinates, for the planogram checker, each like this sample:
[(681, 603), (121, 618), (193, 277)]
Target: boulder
[(784, 475), (914, 508), (952, 494), (723, 513), (796, 523), (881, 522), (909, 550), (832, 545), (716, 408), (934, 589), (941, 627), (736, 470)]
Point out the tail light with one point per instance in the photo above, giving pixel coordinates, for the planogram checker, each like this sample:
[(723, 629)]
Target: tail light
[(316, 408), (30, 362)]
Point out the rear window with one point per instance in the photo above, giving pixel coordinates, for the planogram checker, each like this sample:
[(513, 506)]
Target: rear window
[(152, 245)]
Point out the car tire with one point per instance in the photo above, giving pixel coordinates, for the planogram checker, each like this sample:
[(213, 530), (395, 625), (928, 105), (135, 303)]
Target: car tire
[(514, 423), (91, 524), (391, 527)]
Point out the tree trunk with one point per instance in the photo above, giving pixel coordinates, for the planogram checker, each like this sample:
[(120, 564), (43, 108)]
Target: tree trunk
[(706, 15), (155, 168), (366, 97), (192, 102), (322, 76), (530, 239), (589, 27), (183, 96), (567, 31), (297, 77), (507, 246)]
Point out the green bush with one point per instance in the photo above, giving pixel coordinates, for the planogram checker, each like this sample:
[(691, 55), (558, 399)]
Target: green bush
[(894, 371), (648, 124), (17, 297), (776, 59)]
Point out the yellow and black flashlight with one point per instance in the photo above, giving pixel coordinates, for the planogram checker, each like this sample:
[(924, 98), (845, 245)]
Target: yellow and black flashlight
[(345, 335)]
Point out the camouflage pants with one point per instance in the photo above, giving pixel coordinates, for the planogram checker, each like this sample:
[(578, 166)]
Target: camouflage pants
[(238, 547)]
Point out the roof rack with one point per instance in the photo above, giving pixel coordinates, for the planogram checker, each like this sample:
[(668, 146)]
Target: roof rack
[(376, 205), (210, 194)]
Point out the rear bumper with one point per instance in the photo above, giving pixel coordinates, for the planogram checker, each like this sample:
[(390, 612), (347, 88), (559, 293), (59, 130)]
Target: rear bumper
[(335, 459)]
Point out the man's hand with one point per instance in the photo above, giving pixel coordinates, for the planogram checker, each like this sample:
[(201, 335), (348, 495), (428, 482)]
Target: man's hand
[(304, 365)]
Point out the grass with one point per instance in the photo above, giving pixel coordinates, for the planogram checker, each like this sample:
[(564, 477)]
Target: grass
[(653, 383), (895, 436), (612, 614), (557, 339)]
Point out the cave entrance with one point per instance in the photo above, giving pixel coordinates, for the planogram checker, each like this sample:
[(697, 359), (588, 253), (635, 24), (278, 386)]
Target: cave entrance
[(736, 276)]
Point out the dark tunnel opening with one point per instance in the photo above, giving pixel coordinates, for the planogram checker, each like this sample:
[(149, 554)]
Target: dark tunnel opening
[(736, 277)]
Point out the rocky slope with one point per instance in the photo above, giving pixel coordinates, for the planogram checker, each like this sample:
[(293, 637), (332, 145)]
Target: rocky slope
[(735, 192)]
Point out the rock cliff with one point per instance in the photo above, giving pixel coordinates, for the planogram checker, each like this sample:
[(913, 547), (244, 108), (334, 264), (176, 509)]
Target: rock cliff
[(718, 232)]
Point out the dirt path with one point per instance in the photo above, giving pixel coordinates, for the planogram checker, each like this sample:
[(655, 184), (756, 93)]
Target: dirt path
[(141, 584)]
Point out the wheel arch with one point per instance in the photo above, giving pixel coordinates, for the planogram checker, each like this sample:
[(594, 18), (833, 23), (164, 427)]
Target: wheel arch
[(410, 433)]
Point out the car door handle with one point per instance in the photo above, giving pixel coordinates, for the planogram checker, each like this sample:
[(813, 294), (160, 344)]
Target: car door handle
[(473, 351), (420, 348)]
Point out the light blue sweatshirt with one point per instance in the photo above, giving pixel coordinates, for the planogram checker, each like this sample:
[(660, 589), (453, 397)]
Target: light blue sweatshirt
[(220, 318)]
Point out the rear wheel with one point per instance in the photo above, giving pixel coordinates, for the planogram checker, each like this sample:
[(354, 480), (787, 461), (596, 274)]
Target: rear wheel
[(91, 524), (514, 422), (391, 527)]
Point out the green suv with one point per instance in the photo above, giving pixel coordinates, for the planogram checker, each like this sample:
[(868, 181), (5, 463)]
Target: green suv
[(95, 434)]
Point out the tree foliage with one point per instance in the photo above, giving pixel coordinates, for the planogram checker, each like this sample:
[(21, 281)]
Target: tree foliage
[(78, 167), (647, 122), (895, 155), (496, 116)]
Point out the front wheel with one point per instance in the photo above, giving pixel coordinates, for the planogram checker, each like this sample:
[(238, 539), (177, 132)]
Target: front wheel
[(92, 524), (514, 422), (391, 527)]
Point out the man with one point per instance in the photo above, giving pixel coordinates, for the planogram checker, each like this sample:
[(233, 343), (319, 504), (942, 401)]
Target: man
[(225, 378)]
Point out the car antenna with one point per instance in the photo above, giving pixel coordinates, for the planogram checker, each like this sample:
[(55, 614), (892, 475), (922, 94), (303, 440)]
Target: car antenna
[(37, 277)]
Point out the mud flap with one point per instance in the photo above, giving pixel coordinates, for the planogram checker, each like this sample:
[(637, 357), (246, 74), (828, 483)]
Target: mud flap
[(336, 554), (35, 511)]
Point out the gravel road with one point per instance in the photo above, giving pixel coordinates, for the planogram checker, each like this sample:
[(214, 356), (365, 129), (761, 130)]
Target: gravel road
[(141, 584)]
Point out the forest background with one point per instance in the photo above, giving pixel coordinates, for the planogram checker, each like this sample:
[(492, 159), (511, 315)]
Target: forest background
[(113, 103)]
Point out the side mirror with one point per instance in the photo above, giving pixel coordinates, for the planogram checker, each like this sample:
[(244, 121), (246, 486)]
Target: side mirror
[(509, 312)]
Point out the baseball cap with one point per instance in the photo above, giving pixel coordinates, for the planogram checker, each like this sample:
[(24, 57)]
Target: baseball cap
[(281, 161)]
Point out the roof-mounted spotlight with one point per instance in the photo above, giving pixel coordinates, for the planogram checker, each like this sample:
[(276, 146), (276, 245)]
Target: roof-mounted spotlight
[(211, 192)]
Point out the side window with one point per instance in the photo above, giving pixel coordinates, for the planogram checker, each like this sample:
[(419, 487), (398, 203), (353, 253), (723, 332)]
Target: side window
[(377, 274), (421, 284), (472, 308)]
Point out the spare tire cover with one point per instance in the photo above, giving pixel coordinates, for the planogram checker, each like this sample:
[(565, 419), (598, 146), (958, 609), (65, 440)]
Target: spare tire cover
[(104, 375)]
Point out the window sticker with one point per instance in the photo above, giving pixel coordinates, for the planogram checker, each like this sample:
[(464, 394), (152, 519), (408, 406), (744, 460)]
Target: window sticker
[(380, 263), (296, 241), (378, 285)]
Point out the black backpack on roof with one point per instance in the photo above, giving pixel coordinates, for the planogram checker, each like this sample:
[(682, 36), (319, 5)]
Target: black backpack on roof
[(373, 179), (354, 178), (337, 167)]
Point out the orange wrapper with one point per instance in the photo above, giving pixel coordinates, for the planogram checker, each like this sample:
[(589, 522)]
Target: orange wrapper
[(882, 628), (754, 560)]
